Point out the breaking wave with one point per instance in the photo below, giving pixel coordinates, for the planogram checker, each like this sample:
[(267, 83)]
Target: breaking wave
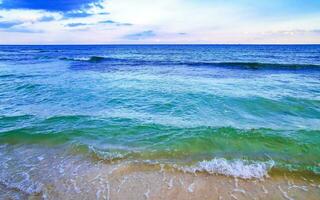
[(93, 59), (238, 65), (236, 168)]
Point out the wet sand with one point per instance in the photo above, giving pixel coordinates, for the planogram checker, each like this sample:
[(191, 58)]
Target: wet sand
[(48, 173), (137, 181)]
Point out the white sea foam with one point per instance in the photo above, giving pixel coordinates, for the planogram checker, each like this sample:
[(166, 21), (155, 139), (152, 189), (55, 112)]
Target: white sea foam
[(191, 188), (237, 168), (21, 182), (80, 58), (170, 184), (147, 193), (106, 155)]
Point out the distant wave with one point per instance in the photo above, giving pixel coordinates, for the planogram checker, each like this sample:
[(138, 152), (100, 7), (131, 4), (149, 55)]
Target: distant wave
[(16, 76), (255, 65), (239, 65), (33, 51), (94, 59)]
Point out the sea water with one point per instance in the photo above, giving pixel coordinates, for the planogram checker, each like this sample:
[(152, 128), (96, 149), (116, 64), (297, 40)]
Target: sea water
[(234, 110)]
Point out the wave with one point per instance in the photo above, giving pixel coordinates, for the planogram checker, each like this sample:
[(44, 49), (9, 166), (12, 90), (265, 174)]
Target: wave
[(93, 59), (238, 65), (33, 51), (119, 138), (17, 76), (256, 65), (236, 168), (109, 155)]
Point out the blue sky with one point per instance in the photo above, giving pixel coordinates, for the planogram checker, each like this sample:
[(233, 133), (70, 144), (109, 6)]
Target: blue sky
[(159, 21)]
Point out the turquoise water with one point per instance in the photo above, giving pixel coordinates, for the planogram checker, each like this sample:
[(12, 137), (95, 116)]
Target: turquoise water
[(199, 107)]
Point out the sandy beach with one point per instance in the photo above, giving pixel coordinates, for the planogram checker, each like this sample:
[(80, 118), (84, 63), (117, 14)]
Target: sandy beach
[(57, 176)]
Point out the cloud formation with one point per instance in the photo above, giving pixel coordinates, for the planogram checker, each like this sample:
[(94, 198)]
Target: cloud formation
[(107, 22), (159, 21), (140, 35), (76, 24), (6, 25), (80, 14), (49, 5), (46, 19), (111, 22)]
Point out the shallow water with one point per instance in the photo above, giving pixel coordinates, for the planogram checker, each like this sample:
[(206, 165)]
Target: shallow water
[(233, 110)]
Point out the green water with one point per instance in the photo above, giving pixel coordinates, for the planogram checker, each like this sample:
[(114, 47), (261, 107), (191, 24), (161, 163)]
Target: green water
[(119, 138)]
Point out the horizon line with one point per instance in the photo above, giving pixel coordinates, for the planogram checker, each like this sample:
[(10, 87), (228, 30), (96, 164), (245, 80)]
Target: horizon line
[(154, 44)]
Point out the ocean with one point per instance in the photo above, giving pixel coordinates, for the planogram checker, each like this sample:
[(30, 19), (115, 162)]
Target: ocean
[(70, 114)]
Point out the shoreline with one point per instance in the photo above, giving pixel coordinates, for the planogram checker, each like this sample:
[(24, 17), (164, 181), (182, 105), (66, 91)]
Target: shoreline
[(124, 180)]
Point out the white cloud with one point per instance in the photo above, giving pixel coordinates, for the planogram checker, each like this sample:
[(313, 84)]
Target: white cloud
[(26, 15), (203, 21)]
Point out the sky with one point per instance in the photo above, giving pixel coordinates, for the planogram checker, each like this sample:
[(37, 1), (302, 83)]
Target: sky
[(160, 22)]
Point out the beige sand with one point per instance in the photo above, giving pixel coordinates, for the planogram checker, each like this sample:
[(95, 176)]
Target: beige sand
[(137, 181)]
